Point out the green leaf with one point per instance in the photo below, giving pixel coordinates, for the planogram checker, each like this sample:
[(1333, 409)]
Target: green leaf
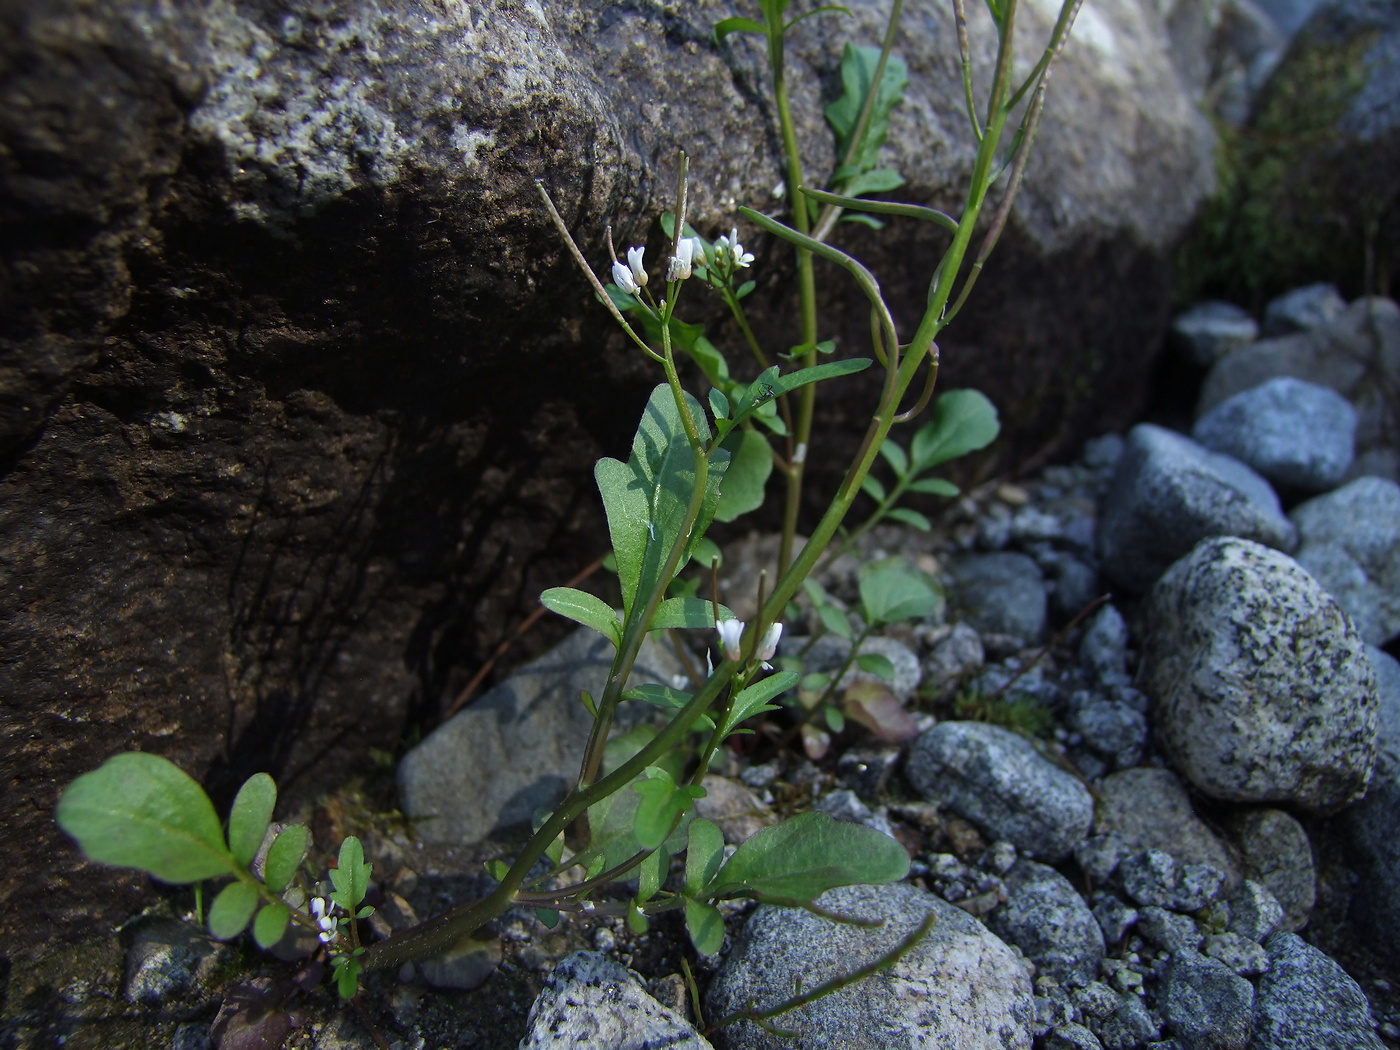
[(663, 800), (347, 976), (963, 421), (911, 517), (737, 25), (584, 608), (709, 359), (746, 476), (872, 487), (284, 856), (857, 75), (687, 612), (894, 456), (669, 699), (705, 925), (719, 404), (231, 910), (894, 590), (497, 869), (707, 552), (651, 875), (548, 916), (804, 857), (350, 876), (703, 856), (876, 664), (864, 220), (646, 498), (934, 487), (250, 816), (744, 290), (815, 682), (881, 180), (834, 620), (835, 720), (755, 699), (637, 920), (142, 811), (911, 211), (271, 924)]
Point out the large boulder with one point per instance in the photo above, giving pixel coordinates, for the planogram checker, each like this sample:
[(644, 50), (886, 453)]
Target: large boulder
[(299, 394)]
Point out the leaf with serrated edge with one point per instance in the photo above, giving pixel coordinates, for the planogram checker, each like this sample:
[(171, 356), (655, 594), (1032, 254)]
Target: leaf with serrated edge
[(142, 811)]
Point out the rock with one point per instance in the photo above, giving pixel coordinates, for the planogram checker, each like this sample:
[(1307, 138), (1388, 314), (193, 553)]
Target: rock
[(1000, 782), (1000, 593), (1254, 911), (1297, 435), (463, 967), (1169, 930), (518, 748), (1103, 650), (164, 960), (830, 652), (1167, 493), (1358, 356), (1246, 957), (1072, 1037), (593, 1003), (1307, 1002), (1303, 309), (1046, 918), (1258, 681), (1111, 728), (1289, 15), (1156, 878), (1207, 1005), (1114, 917), (1277, 854), (1373, 848), (846, 805), (1128, 1026), (960, 987), (953, 658), (867, 771), (1100, 855), (1210, 330), (1148, 808), (1350, 543), (1073, 583), (1387, 670), (730, 804)]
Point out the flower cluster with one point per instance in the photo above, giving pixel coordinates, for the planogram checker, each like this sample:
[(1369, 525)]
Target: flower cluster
[(730, 254), (632, 277), (732, 631), (324, 919)]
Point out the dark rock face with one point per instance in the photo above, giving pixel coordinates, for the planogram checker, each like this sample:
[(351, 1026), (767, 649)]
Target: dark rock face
[(299, 396)]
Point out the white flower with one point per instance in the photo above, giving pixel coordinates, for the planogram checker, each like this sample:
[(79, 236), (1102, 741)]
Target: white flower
[(729, 250), (682, 262), (769, 645), (324, 919), (730, 633), (622, 277), (634, 260)]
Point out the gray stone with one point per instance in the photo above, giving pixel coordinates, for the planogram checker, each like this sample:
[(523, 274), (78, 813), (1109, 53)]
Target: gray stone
[(191, 1037), (1103, 650), (1101, 453), (1277, 854), (1246, 957), (1289, 15), (1046, 918), (1387, 670), (1156, 878), (997, 780), (1116, 730), (1307, 1002), (1129, 1026), (1350, 543), (1000, 593), (1052, 1010), (462, 967), (960, 987), (1114, 917), (1254, 911), (1373, 840), (829, 652), (730, 804), (1072, 1037), (1100, 855), (1297, 435), (957, 655), (1303, 309), (518, 748), (1259, 682), (1169, 930), (1074, 583), (1148, 808), (1206, 1004), (1210, 330), (846, 805), (593, 1003), (1096, 1001), (1167, 493), (164, 959)]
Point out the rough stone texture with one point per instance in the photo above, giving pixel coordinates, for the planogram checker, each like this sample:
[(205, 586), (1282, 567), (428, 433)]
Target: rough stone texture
[(165, 958), (1156, 879), (1254, 911), (1207, 1005), (960, 987), (1278, 855), (737, 810), (1210, 330), (1350, 543), (1373, 847), (953, 658), (1046, 918), (1104, 647), (1072, 1037), (1169, 930), (1259, 683), (1298, 435), (1167, 493), (593, 1003), (1000, 593), (1307, 1002), (1148, 808), (998, 781), (1357, 355), (1129, 1025), (1246, 957), (519, 747), (1111, 728)]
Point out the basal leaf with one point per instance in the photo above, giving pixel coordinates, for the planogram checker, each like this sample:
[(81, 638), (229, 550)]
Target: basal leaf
[(894, 590), (142, 811), (880, 180), (628, 510), (231, 910), (746, 475), (651, 875), (737, 25), (703, 856), (876, 664), (284, 856), (963, 421), (250, 816), (804, 857), (705, 925), (584, 608), (271, 924), (858, 66), (350, 876)]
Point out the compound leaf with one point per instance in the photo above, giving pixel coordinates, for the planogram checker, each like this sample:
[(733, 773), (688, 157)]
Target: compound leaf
[(284, 856)]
